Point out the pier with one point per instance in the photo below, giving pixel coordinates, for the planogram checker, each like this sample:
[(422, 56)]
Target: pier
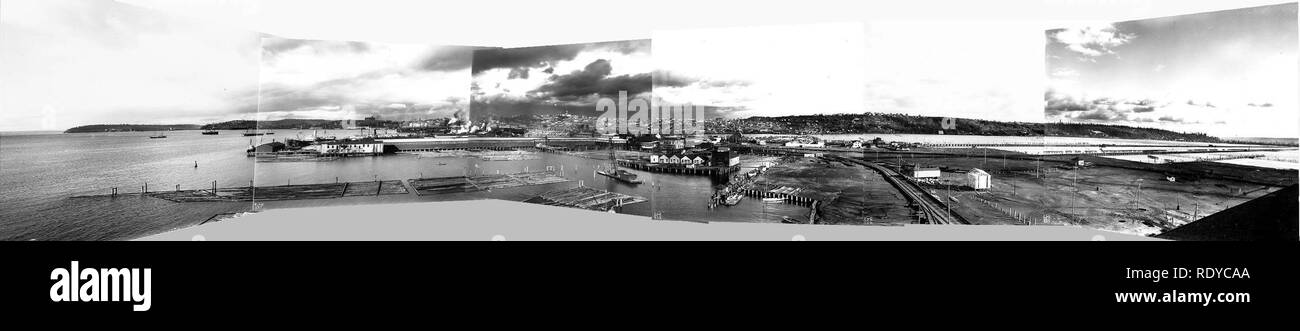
[(585, 198), (279, 192), (678, 169), (459, 184)]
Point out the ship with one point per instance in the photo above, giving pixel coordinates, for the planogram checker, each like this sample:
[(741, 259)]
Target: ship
[(159, 135), (210, 132), (253, 133), (618, 174), (622, 176)]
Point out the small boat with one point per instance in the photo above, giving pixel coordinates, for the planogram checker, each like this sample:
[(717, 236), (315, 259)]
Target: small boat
[(773, 199), (732, 200), (159, 135), (210, 132), (252, 133), (789, 220)]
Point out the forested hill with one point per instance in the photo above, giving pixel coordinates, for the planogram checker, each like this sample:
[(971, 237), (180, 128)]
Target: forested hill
[(297, 124), (910, 124), (130, 127)]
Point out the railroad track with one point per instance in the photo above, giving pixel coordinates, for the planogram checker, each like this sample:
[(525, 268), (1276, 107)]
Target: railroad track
[(933, 211)]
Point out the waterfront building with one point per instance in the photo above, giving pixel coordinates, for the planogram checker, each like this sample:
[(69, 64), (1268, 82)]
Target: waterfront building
[(723, 157), (350, 147)]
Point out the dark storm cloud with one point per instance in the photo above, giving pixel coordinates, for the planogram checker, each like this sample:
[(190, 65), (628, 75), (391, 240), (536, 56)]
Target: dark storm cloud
[(594, 79), (1101, 109), (527, 57), (547, 56)]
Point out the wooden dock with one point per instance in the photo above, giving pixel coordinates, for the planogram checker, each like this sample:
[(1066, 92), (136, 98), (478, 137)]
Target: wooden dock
[(458, 184), (678, 169), (585, 198), (279, 192)]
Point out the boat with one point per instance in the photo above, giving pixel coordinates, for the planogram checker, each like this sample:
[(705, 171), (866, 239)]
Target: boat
[(159, 135), (618, 174), (210, 132), (732, 199), (622, 176), (253, 133), (789, 220), (773, 199)]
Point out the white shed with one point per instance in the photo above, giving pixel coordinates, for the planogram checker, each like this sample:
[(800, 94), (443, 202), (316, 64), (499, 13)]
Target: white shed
[(919, 172), (978, 179)]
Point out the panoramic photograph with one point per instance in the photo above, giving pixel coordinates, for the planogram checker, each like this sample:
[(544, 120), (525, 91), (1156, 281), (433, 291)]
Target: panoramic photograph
[(1144, 127)]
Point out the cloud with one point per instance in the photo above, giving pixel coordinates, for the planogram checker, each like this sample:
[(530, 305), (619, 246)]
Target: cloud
[(1091, 41), (549, 56), (447, 58), (395, 81), (526, 57), (1062, 106), (594, 79), (271, 47)]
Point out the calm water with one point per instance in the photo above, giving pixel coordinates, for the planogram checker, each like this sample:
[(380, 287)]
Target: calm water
[(41, 172)]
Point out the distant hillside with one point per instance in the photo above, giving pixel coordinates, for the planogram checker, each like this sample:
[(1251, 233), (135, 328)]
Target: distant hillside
[(1264, 141), (296, 124), (910, 124), (130, 127)]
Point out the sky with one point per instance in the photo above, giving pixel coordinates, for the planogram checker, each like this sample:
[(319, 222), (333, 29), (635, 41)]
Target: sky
[(774, 70), (313, 79), (558, 78), (1227, 73), (966, 69), (69, 63)]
